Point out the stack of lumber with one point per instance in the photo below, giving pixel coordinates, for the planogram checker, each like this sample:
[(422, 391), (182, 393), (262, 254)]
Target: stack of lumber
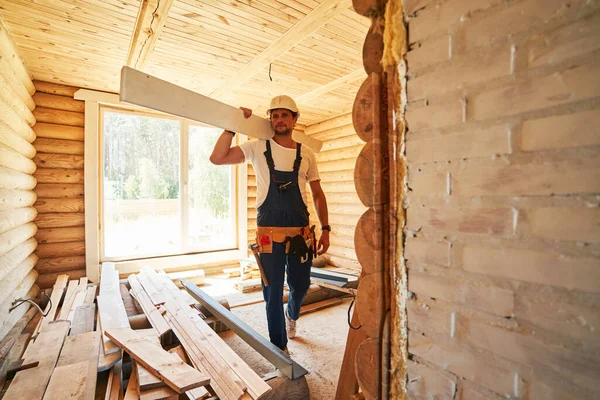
[(61, 360), (229, 376)]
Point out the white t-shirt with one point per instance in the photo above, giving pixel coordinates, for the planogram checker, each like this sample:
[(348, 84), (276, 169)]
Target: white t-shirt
[(283, 157)]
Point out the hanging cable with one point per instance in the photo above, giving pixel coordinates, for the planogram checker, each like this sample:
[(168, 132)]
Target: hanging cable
[(270, 72), (20, 301), (349, 322)]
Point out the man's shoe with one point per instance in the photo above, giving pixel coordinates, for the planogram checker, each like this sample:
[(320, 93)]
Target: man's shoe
[(286, 351), (290, 326)]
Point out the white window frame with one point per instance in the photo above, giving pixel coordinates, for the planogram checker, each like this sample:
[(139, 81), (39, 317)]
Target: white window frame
[(92, 199)]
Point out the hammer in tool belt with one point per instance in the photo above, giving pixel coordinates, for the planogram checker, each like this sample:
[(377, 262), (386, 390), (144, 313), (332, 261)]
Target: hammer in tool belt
[(254, 247)]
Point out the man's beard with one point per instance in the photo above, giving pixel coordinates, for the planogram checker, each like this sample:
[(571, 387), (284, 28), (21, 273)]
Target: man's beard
[(283, 133)]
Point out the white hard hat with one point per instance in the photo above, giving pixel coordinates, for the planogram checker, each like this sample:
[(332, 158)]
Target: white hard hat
[(283, 102)]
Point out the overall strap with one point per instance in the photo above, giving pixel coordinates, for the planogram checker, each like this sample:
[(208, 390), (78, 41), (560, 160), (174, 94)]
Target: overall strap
[(269, 156), (298, 157)]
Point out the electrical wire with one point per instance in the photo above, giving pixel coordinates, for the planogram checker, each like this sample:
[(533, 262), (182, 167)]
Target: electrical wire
[(349, 322)]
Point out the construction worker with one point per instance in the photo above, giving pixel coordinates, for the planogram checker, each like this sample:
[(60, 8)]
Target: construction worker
[(282, 167)]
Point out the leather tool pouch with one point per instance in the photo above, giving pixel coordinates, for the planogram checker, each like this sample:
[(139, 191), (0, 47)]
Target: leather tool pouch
[(265, 236)]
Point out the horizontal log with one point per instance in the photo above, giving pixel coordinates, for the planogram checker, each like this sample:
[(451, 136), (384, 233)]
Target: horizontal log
[(56, 131), (52, 250), (59, 146), (26, 289), (10, 219), (13, 258), (343, 252), (10, 97), (345, 208), (16, 276), (47, 160), (58, 175), (343, 262), (60, 117), (9, 137), (341, 240), (59, 220), (337, 165), (15, 180), (338, 176), (10, 199), (60, 235), (57, 205), (51, 265), (55, 88), (343, 230), (14, 160), (343, 219), (19, 312), (336, 133), (11, 77), (348, 152), (47, 280), (342, 143), (55, 190), (9, 117), (14, 237), (10, 51), (329, 124), (332, 189), (58, 102)]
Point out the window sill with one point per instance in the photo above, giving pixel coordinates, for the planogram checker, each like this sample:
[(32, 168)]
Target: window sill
[(188, 261)]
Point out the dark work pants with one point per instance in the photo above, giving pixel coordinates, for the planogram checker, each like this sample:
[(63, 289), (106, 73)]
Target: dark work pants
[(298, 278)]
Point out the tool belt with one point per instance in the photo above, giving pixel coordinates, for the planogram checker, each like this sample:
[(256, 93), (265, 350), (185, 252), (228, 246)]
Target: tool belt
[(298, 240)]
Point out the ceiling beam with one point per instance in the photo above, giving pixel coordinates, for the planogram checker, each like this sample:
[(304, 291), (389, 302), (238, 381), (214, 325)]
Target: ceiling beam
[(318, 17), (150, 21), (333, 85)]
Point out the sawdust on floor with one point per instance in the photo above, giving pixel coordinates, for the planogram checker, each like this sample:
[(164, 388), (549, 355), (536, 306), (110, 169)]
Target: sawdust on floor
[(318, 347)]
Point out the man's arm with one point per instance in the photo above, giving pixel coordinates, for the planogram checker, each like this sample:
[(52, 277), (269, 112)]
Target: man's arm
[(320, 203), (223, 153)]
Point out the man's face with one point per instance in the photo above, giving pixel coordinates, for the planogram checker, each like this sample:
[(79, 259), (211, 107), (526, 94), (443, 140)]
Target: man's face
[(282, 121)]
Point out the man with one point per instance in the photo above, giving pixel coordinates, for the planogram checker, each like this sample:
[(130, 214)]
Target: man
[(282, 167)]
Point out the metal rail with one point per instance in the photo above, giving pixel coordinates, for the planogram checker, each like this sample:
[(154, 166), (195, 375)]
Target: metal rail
[(268, 350)]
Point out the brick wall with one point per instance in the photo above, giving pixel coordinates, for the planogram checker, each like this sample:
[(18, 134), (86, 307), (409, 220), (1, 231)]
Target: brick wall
[(503, 217)]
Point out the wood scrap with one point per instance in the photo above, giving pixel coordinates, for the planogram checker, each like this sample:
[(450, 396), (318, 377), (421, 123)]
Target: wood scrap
[(153, 292), (55, 297), (320, 305), (178, 375), (129, 301), (14, 354), (83, 319), (161, 393), (70, 299), (31, 383), (232, 272), (114, 389), (148, 307), (75, 374), (197, 393), (132, 392), (218, 384), (254, 384), (249, 285), (90, 294), (112, 315)]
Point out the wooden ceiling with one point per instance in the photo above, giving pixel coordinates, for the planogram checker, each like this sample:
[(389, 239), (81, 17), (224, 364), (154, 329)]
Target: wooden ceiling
[(223, 49)]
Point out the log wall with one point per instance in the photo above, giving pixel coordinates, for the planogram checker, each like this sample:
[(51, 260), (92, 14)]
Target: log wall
[(17, 230), (59, 160), (503, 243), (341, 147)]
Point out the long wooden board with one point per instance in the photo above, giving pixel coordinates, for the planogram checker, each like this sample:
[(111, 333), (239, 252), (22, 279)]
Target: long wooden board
[(112, 315), (157, 321), (148, 91), (177, 374), (31, 383), (74, 377)]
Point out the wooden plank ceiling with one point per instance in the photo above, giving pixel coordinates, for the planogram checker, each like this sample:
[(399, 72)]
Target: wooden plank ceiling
[(220, 48)]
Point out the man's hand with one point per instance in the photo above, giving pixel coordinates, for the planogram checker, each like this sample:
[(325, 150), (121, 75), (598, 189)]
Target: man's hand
[(247, 112), (323, 243)]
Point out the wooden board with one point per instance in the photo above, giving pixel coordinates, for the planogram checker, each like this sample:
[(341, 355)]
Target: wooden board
[(57, 292), (112, 315), (83, 319), (178, 375), (31, 383), (75, 374), (157, 321), (147, 91)]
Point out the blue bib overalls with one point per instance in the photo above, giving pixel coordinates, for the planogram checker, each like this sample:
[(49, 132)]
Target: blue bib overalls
[(283, 207)]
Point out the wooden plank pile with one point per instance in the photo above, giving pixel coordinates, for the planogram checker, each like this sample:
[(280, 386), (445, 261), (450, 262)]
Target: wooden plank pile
[(86, 338)]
